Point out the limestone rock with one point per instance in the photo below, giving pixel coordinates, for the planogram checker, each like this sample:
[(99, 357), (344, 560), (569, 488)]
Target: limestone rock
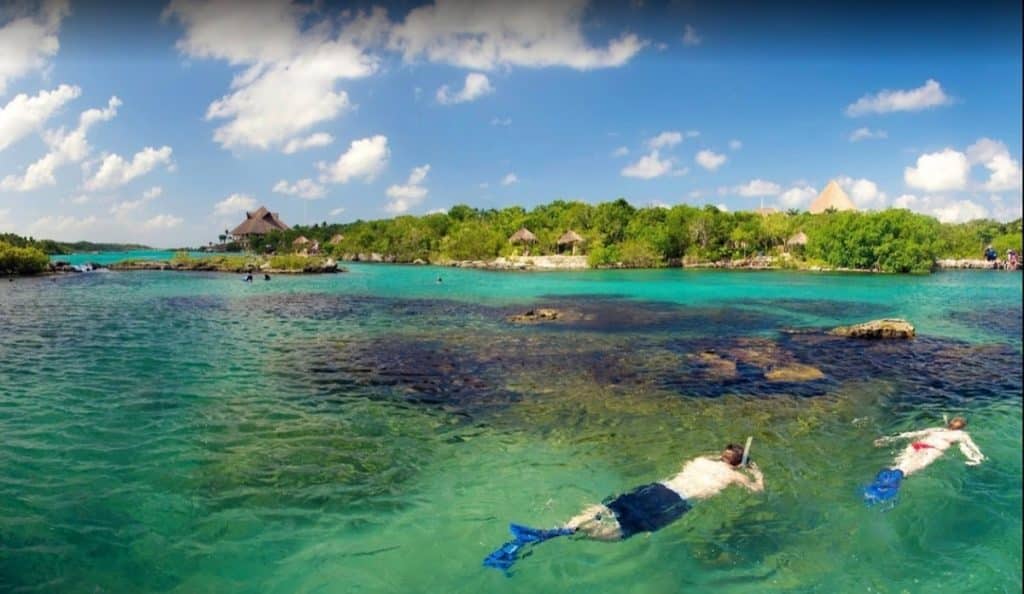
[(541, 314), (888, 328), (793, 372)]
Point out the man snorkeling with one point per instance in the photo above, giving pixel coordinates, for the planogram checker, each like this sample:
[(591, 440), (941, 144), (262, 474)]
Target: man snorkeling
[(927, 446), (644, 509)]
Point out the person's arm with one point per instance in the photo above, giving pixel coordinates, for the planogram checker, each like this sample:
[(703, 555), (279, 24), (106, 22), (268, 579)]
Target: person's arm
[(908, 435), (970, 450), (757, 484)]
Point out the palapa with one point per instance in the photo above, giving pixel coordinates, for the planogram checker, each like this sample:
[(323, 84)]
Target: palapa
[(300, 240), (523, 235), (570, 237), (797, 239), (259, 222), (831, 198), (338, 238)]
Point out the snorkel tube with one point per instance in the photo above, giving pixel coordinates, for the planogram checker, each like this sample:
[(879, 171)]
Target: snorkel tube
[(746, 451)]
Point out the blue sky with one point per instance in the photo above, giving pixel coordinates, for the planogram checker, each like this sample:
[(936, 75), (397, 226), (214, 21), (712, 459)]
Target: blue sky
[(196, 111)]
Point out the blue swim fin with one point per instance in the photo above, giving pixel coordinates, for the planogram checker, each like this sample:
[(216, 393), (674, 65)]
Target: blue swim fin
[(507, 554), (885, 487)]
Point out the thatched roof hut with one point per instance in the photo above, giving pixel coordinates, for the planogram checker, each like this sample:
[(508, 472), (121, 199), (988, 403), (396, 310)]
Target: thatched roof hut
[(570, 237), (797, 239), (259, 222), (831, 198), (300, 240), (338, 238), (523, 235)]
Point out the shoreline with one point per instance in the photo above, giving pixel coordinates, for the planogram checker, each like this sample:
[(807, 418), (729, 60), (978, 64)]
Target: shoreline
[(501, 264)]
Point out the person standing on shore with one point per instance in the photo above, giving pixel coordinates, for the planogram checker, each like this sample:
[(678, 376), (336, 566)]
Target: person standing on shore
[(927, 446), (1012, 259), (644, 509)]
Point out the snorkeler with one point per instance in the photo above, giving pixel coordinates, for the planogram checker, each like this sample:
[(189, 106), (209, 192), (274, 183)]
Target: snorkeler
[(644, 509), (266, 276), (248, 277), (928, 445)]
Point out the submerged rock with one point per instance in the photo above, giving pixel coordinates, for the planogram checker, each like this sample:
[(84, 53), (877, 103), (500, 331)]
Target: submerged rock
[(793, 372), (888, 328), (541, 314), (714, 366)]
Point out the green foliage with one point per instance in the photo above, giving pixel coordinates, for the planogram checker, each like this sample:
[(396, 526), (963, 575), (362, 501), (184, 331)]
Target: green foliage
[(616, 233), (21, 260), (291, 262), (49, 246)]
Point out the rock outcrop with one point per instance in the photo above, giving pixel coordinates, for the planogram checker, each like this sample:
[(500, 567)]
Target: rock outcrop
[(541, 314), (875, 329)]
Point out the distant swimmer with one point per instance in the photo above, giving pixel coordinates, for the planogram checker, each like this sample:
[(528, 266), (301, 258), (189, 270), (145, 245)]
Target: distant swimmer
[(644, 509), (248, 277), (926, 446), (439, 281), (266, 276)]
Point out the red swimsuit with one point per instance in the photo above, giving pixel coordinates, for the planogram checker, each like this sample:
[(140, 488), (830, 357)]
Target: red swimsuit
[(920, 445)]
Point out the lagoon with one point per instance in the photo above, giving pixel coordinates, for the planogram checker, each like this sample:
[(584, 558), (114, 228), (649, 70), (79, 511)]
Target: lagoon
[(376, 431)]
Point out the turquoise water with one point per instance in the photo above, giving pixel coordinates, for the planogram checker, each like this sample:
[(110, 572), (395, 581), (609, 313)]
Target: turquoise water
[(107, 258), (375, 431)]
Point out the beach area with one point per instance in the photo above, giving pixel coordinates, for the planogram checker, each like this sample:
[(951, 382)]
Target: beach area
[(385, 429)]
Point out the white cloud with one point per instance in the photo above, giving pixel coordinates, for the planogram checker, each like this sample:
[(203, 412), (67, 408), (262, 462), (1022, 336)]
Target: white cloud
[(29, 39), (337, 211), (735, 145), (993, 154), (665, 140), (162, 221), (690, 36), (235, 203), (928, 95), (365, 158), (722, 207), (710, 160), (867, 134), (620, 152), (404, 197), (509, 179), (692, 133), (648, 167), (487, 35), (24, 114), (121, 210), (80, 199), (1005, 212), (312, 141), (944, 209), (937, 172), (304, 188), (437, 211), (864, 192), (757, 187), (50, 226), (501, 121), (477, 85), (65, 147), (115, 171), (292, 68), (798, 196)]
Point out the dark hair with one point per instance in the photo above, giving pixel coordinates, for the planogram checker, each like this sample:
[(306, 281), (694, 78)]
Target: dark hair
[(735, 454)]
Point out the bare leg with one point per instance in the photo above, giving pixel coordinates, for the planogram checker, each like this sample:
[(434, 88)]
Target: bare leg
[(596, 522)]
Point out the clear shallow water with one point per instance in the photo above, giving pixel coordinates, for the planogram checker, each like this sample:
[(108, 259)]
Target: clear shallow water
[(107, 258), (376, 431)]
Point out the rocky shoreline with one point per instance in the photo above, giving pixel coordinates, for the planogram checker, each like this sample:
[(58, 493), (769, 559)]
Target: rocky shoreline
[(328, 266)]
